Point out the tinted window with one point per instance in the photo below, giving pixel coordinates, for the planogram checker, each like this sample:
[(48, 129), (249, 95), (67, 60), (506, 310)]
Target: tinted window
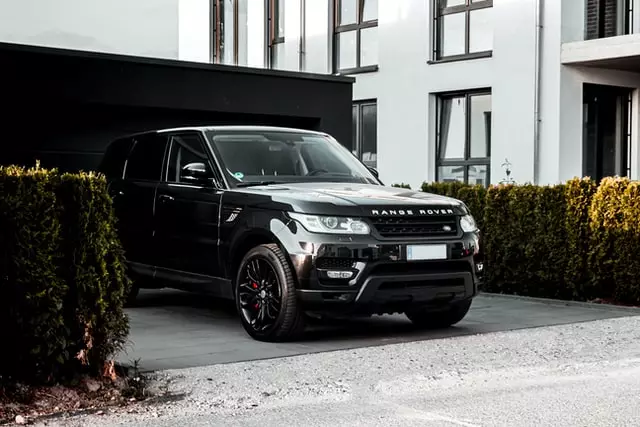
[(256, 155), (145, 161), (186, 150), (112, 164)]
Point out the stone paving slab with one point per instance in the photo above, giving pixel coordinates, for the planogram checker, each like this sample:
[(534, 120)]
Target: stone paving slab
[(173, 329)]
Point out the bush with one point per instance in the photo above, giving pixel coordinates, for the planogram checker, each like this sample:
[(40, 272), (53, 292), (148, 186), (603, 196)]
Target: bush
[(62, 278), (577, 240), (524, 240), (615, 240)]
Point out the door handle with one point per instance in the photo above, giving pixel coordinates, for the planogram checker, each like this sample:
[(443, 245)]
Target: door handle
[(165, 198)]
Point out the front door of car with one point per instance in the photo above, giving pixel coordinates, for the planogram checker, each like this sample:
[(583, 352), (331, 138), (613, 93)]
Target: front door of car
[(187, 205)]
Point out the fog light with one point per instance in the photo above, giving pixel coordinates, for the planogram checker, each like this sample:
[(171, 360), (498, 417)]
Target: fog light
[(332, 274)]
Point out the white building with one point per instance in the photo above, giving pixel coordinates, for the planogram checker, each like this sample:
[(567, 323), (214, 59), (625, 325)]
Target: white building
[(445, 89)]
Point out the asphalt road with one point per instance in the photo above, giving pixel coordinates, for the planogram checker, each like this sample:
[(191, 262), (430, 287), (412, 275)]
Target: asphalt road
[(172, 329), (583, 374)]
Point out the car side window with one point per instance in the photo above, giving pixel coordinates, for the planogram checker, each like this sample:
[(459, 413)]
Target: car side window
[(188, 161), (145, 161)]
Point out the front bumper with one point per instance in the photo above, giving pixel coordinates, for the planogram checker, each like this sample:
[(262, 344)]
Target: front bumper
[(362, 274)]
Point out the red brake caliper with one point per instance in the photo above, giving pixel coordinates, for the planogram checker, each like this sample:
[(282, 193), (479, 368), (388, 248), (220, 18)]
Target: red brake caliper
[(255, 286)]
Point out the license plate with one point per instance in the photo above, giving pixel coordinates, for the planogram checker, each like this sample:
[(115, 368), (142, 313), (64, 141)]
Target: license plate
[(426, 252)]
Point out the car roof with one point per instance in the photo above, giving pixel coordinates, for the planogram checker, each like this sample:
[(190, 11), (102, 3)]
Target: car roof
[(227, 128)]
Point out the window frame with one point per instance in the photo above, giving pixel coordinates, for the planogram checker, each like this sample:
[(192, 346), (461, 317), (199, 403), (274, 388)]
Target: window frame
[(218, 45), (357, 144), (273, 16), (467, 160), (357, 27), (466, 8)]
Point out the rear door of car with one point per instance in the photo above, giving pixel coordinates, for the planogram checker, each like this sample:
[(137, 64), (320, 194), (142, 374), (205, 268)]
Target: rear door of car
[(134, 198), (187, 213)]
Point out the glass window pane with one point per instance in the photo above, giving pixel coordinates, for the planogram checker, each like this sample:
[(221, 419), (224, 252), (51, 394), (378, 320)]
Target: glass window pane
[(348, 12), (452, 128), (354, 129), (369, 134), (449, 3), (145, 161), (228, 33), (480, 125), (370, 10), (369, 46), (478, 175), (277, 56), (346, 50), (451, 173), (452, 34), (481, 30), (280, 18)]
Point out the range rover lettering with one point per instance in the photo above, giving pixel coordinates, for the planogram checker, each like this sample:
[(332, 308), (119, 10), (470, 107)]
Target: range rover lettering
[(290, 225)]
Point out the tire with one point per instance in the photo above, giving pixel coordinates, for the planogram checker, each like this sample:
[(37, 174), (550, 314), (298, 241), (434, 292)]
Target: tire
[(285, 324), (439, 319)]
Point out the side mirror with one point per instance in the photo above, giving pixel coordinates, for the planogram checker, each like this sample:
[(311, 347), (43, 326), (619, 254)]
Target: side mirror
[(196, 173), (374, 171)]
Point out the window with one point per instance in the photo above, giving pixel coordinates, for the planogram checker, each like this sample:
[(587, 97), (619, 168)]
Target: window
[(608, 18), (145, 161), (276, 33), (249, 157), (115, 157), (186, 150), (356, 36), (463, 29), (234, 41), (463, 137), (364, 135), (606, 131)]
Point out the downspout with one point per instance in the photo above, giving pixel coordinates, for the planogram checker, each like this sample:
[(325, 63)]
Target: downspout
[(302, 59), (537, 91)]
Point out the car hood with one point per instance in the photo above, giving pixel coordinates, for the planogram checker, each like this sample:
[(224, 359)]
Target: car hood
[(363, 199)]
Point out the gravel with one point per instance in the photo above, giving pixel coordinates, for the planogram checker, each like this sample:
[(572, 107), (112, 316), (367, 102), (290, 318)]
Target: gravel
[(579, 374)]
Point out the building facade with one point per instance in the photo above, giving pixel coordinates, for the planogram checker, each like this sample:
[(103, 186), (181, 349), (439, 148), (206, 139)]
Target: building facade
[(445, 89)]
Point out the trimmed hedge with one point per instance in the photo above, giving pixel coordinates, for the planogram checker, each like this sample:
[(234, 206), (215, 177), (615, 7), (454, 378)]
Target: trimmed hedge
[(577, 240), (62, 278)]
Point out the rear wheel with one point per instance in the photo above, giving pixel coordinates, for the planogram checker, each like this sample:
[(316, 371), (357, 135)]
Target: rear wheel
[(265, 295), (439, 318)]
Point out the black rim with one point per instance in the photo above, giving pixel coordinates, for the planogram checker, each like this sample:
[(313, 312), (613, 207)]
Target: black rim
[(259, 294)]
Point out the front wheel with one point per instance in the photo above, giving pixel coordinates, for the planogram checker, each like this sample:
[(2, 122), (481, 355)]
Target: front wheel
[(442, 318), (265, 295)]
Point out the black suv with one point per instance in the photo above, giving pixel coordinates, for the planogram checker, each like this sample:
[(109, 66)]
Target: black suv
[(290, 225)]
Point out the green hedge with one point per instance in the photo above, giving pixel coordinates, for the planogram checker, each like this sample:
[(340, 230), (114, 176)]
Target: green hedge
[(62, 278), (577, 240)]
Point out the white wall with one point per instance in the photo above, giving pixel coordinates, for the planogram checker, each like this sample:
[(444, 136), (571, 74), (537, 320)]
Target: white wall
[(140, 27), (194, 23)]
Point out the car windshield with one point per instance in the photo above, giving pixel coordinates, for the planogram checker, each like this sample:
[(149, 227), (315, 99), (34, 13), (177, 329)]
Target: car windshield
[(260, 157)]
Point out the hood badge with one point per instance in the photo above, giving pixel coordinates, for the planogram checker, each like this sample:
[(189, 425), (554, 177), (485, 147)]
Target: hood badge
[(409, 212)]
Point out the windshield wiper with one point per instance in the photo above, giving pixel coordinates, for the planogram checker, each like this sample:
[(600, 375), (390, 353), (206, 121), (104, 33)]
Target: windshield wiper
[(256, 183)]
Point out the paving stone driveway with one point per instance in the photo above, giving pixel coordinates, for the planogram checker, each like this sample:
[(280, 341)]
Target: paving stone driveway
[(172, 329)]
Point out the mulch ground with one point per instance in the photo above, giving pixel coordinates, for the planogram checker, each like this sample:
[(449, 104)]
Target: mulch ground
[(22, 404)]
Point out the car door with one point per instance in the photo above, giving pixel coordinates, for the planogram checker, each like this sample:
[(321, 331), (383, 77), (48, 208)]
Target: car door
[(187, 209), (134, 198)]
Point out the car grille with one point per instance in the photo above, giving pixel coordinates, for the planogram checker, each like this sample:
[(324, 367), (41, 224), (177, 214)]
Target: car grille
[(440, 226)]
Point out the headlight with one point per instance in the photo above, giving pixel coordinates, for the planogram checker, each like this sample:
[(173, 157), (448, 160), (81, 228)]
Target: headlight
[(331, 224), (468, 224)]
